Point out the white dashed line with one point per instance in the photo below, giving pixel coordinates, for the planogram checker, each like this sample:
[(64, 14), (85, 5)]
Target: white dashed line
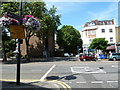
[(96, 81), (116, 66), (81, 82), (112, 81), (86, 70)]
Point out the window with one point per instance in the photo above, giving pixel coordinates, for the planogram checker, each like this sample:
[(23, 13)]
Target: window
[(110, 30), (103, 30), (111, 39)]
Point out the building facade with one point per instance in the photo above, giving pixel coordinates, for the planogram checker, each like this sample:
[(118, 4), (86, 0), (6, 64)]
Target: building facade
[(98, 29), (37, 47), (118, 39)]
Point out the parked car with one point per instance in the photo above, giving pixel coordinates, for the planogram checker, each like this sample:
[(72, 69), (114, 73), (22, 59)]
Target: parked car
[(66, 55), (90, 57), (114, 56)]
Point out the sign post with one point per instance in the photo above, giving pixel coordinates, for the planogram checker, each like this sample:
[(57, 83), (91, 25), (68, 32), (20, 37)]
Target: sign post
[(18, 60)]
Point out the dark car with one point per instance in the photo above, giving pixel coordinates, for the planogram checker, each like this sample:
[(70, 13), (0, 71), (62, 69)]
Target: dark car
[(89, 57)]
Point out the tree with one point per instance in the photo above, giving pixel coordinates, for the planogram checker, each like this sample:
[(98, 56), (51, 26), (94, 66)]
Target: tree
[(69, 39), (49, 24), (99, 44), (48, 18), (7, 42)]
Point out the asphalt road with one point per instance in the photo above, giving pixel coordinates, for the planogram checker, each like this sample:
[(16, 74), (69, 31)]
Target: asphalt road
[(75, 74)]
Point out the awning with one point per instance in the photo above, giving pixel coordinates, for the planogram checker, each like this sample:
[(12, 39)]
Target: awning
[(110, 48)]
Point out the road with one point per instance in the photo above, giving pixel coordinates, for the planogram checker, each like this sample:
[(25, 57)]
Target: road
[(75, 74)]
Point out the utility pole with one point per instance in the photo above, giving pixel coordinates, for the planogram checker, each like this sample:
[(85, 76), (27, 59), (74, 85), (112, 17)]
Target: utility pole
[(19, 52)]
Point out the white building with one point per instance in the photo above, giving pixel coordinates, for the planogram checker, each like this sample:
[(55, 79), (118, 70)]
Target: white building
[(98, 29)]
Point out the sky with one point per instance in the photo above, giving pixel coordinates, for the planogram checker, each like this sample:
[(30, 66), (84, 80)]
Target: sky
[(77, 14)]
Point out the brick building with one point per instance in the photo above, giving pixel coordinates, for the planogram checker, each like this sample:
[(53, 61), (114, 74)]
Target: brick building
[(37, 47)]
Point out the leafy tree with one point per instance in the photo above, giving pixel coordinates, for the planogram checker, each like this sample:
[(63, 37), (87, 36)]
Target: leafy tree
[(48, 18), (99, 44), (8, 44), (36, 9), (49, 24), (69, 39)]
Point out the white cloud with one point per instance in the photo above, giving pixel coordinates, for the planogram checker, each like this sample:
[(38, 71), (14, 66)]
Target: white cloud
[(66, 7)]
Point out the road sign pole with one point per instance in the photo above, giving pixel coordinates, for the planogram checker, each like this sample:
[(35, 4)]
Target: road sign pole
[(19, 53)]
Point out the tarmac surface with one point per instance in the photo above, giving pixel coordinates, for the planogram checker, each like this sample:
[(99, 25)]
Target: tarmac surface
[(46, 84)]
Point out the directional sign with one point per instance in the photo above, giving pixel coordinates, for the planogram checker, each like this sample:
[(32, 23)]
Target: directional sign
[(12, 15), (17, 31)]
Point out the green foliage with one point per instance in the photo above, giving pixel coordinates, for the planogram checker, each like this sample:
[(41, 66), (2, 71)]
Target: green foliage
[(49, 23), (99, 44), (8, 44), (69, 38), (9, 6)]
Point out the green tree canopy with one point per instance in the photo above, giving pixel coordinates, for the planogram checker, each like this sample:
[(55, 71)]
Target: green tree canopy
[(69, 39), (99, 44)]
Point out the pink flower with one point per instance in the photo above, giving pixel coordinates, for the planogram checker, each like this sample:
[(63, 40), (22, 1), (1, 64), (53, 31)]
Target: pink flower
[(28, 16)]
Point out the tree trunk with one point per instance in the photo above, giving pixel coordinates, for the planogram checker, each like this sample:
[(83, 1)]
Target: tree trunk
[(46, 47), (4, 53), (27, 50)]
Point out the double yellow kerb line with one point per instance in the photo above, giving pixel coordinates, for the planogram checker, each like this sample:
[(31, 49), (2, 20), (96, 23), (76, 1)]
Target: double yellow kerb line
[(59, 84)]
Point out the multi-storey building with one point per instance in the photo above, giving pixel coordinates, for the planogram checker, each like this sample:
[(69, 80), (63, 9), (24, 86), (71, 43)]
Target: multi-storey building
[(118, 39), (98, 29)]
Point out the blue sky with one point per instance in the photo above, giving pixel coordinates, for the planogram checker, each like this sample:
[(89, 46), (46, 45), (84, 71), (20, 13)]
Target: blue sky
[(77, 14)]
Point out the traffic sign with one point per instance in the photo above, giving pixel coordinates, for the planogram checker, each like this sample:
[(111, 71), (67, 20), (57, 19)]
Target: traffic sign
[(17, 31), (14, 16)]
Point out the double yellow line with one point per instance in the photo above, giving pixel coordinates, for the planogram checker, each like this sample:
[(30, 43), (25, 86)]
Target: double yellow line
[(63, 84), (60, 83)]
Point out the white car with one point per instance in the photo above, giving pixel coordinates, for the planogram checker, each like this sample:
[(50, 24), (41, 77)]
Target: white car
[(66, 55)]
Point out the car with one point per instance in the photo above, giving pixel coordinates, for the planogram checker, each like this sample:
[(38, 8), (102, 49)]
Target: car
[(114, 56), (66, 55), (85, 57)]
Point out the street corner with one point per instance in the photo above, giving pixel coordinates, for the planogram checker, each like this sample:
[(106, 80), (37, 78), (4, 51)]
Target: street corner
[(27, 84), (37, 84)]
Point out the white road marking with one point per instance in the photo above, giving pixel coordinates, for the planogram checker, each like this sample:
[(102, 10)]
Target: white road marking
[(47, 73), (86, 70), (112, 81), (116, 66), (96, 81), (81, 82)]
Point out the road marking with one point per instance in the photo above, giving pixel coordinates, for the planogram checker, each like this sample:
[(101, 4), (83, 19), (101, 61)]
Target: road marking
[(112, 81), (86, 70), (47, 73), (22, 80), (63, 84), (115, 66), (96, 81), (81, 82)]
